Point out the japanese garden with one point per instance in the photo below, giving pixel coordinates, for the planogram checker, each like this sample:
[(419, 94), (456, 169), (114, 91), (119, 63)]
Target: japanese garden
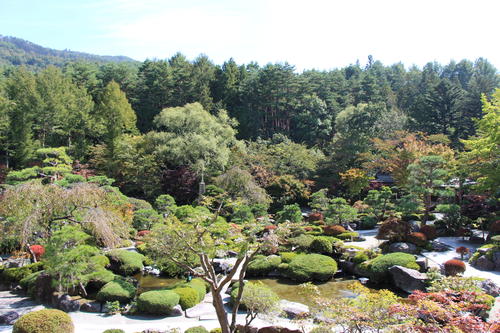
[(181, 195)]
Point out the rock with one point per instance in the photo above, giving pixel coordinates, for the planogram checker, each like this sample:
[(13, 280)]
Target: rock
[(403, 247), (93, 307), (414, 225), (347, 266), (490, 287), (43, 289), (65, 303), (9, 318), (439, 247), (496, 260), (277, 329), (176, 311), (484, 264), (199, 310), (476, 239), (293, 309), (423, 263), (408, 279)]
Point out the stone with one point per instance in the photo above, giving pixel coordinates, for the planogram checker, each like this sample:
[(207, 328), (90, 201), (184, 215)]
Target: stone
[(476, 239), (43, 289), (9, 318), (414, 225), (293, 309), (408, 279), (176, 311), (93, 307), (496, 260), (403, 247), (277, 329), (65, 303), (484, 264), (490, 287), (439, 247), (423, 263)]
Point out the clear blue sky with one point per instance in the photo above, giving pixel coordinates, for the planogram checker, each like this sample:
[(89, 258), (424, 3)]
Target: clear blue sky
[(319, 34)]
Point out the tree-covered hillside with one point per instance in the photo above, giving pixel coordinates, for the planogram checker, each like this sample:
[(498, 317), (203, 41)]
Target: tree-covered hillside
[(17, 51)]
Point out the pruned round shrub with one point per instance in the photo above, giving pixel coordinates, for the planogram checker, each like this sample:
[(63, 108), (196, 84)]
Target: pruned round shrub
[(287, 257), (315, 216), (99, 278), (462, 250), (216, 330), (311, 267), (44, 321), (117, 290), (333, 230), (360, 257), (200, 286), (262, 266), (114, 330), (100, 260), (429, 231), (321, 245), (453, 267), (16, 274), (127, 262), (382, 263), (188, 297), (417, 238), (158, 302), (196, 329), (348, 235)]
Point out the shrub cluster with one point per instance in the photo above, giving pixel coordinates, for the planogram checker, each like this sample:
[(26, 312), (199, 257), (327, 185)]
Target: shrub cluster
[(44, 321), (16, 274), (128, 262), (348, 235), (188, 297), (417, 238), (196, 329), (117, 290), (262, 265), (382, 263), (158, 302), (334, 230), (310, 267)]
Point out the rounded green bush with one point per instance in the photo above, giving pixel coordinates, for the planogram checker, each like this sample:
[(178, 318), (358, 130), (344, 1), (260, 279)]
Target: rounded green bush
[(262, 266), (100, 261), (158, 302), (348, 235), (286, 257), (382, 264), (321, 245), (114, 330), (117, 290), (188, 297), (44, 321), (196, 329), (216, 330), (360, 257), (100, 277), (311, 267), (200, 286), (129, 262)]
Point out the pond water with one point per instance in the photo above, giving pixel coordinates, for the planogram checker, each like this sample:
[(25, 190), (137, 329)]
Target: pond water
[(285, 289)]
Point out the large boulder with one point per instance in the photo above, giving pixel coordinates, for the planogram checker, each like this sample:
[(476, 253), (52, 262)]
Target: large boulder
[(9, 318), (43, 288), (403, 247), (93, 307), (65, 303), (408, 279), (490, 287), (484, 264), (293, 309), (496, 260)]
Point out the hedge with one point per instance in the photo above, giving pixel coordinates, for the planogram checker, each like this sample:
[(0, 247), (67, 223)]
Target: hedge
[(262, 266), (117, 290), (188, 297), (16, 274), (287, 257), (44, 321), (196, 329), (382, 263), (129, 262), (321, 245), (310, 267), (158, 302)]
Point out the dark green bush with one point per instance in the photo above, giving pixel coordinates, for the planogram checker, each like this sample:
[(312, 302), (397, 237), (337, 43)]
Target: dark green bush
[(367, 222), (360, 257), (117, 290), (159, 302), (262, 266), (44, 321), (348, 235), (129, 262), (16, 274), (286, 257), (114, 330), (100, 261), (382, 263), (321, 245), (310, 267), (188, 297), (302, 242), (100, 277), (196, 329)]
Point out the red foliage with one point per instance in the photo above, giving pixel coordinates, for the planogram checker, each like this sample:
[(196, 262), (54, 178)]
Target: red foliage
[(453, 267), (394, 229), (143, 233), (429, 231), (417, 238), (315, 216), (308, 228), (462, 250), (269, 227), (333, 230), (38, 251)]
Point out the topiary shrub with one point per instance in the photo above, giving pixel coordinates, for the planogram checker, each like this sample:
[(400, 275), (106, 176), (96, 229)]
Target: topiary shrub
[(196, 329), (188, 297), (453, 267), (321, 245), (100, 260), (417, 238), (348, 235), (97, 280), (126, 262), (114, 330), (333, 230), (117, 290), (310, 267), (37, 250), (44, 321), (158, 302), (286, 257), (429, 231), (143, 233), (360, 257), (393, 229), (302, 242), (216, 330), (314, 217), (381, 264), (262, 266), (462, 250)]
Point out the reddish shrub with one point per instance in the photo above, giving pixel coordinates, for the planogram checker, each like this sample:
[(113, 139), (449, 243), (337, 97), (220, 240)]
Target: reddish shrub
[(270, 227), (429, 231), (462, 250), (333, 230), (308, 228), (453, 267), (315, 216), (138, 243), (495, 227), (143, 233), (37, 250), (417, 238), (394, 229)]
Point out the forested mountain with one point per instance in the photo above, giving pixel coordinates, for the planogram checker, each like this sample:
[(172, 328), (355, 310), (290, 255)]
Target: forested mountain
[(17, 51)]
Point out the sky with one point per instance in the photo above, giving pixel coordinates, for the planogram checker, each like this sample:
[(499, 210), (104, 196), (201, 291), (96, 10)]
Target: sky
[(319, 34)]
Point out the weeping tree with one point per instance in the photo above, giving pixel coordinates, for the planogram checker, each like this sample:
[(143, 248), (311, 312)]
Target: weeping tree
[(33, 210)]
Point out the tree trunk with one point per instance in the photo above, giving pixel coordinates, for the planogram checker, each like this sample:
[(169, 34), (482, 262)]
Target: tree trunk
[(219, 309)]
